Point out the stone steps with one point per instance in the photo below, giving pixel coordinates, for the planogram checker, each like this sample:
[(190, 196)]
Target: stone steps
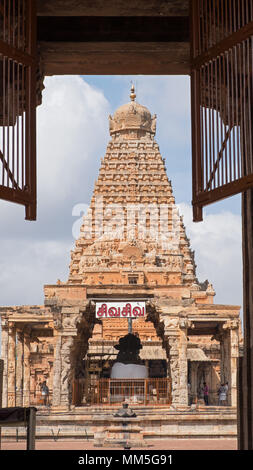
[(155, 422)]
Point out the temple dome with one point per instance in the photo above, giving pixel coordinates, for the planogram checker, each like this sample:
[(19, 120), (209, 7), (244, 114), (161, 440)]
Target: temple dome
[(132, 116)]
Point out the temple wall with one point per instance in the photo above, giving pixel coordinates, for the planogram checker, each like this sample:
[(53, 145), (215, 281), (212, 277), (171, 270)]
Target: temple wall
[(52, 353)]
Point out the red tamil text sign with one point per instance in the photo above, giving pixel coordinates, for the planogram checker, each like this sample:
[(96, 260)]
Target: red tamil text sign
[(120, 309)]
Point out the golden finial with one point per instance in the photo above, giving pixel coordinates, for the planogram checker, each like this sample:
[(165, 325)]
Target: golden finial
[(132, 95)]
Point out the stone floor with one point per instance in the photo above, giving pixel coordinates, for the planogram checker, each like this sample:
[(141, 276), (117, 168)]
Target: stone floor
[(164, 444)]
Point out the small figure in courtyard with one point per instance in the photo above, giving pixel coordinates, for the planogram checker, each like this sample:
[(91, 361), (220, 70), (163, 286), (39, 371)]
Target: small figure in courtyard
[(222, 395), (38, 390), (226, 387), (45, 392), (206, 392), (189, 394)]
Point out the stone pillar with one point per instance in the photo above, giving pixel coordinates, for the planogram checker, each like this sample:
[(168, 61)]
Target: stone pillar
[(224, 357), (26, 387), (173, 340), (19, 369), (183, 367), (1, 387), (231, 349), (67, 342), (70, 317), (33, 397), (171, 334), (194, 381), (234, 364), (12, 365), (4, 356), (56, 401)]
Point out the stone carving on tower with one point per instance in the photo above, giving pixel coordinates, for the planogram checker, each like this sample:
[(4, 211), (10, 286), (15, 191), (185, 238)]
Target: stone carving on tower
[(133, 224)]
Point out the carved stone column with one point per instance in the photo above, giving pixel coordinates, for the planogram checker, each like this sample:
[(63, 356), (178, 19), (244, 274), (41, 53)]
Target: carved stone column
[(224, 356), (73, 342), (183, 366), (4, 356), (67, 342), (1, 385), (174, 366), (26, 388), (234, 364), (228, 336), (171, 336), (57, 365), (56, 401), (231, 348), (19, 369), (11, 365), (194, 380)]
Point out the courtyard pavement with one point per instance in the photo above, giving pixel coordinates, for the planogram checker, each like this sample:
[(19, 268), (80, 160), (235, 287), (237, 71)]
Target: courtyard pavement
[(159, 444)]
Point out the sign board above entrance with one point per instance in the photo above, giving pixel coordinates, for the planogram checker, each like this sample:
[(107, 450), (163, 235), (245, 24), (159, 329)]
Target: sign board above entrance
[(120, 309)]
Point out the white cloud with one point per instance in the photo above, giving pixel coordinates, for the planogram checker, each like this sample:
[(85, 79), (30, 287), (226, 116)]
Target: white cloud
[(217, 242), (35, 264), (72, 131)]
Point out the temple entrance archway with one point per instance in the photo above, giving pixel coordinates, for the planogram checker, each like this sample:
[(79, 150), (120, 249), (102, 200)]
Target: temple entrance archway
[(92, 355)]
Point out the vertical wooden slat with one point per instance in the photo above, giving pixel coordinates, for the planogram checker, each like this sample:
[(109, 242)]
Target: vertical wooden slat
[(31, 117), (233, 118), (227, 74), (18, 120), (3, 113), (31, 429), (237, 117), (217, 124), (13, 116), (23, 129), (8, 120), (246, 421), (212, 172), (221, 123)]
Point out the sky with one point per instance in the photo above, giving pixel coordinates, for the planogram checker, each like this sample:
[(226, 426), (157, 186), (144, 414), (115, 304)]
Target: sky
[(72, 135)]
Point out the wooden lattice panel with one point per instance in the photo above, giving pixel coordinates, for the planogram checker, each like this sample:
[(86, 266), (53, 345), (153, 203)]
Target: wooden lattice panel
[(18, 103), (222, 98)]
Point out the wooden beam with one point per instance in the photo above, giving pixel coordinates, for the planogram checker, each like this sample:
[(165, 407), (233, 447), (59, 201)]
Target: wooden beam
[(106, 58), (31, 429), (246, 404), (118, 29), (112, 8)]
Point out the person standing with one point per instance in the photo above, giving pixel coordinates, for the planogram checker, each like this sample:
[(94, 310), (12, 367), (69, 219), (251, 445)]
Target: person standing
[(226, 389), (189, 394), (206, 393), (45, 393), (222, 395)]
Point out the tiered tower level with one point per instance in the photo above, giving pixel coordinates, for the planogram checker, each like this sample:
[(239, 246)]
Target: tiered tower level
[(132, 233)]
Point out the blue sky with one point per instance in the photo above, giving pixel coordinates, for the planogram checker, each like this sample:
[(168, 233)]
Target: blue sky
[(72, 135)]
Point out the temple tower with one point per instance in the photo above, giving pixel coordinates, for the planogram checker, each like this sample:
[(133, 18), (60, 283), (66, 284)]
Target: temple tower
[(132, 232)]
